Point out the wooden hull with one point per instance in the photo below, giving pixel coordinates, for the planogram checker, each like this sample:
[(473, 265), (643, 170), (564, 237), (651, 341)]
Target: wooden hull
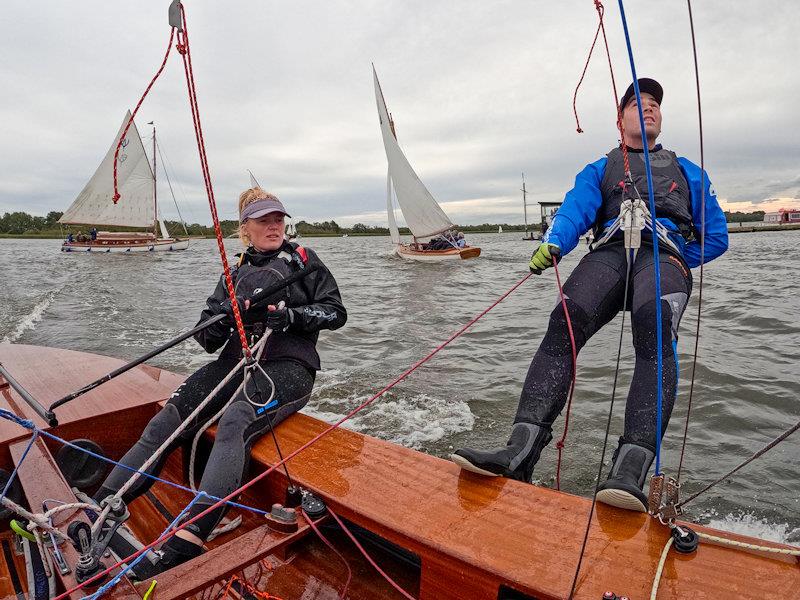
[(407, 252), (464, 536), (119, 246)]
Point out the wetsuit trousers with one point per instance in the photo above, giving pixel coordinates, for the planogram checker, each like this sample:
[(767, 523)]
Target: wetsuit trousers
[(238, 428), (594, 296)]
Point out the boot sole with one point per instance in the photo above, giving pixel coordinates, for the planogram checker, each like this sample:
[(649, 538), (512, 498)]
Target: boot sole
[(468, 466), (621, 499)]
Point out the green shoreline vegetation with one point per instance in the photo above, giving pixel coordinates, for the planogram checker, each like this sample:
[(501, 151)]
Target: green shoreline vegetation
[(23, 225)]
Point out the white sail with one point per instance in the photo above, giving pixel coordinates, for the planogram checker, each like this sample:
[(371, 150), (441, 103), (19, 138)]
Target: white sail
[(394, 232), (423, 215), (499, 229), (136, 207)]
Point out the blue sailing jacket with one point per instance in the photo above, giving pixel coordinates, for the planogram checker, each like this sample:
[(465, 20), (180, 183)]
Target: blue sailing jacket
[(578, 213)]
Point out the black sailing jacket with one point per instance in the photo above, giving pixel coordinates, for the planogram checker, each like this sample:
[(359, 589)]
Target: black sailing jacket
[(314, 301)]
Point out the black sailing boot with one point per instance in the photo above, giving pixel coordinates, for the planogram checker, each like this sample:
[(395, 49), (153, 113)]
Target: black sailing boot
[(516, 460), (623, 488), (177, 551)]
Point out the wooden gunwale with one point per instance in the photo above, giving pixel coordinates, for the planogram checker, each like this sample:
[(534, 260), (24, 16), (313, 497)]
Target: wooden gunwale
[(472, 534)]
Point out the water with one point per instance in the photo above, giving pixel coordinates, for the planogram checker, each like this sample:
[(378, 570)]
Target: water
[(745, 393)]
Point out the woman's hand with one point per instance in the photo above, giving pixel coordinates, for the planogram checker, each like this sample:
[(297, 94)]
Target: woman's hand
[(278, 319)]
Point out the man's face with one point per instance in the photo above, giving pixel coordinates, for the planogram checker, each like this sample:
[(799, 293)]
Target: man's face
[(652, 120)]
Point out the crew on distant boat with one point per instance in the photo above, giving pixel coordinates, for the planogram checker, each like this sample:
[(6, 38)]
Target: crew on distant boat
[(93, 233), (594, 294), (70, 237), (290, 360)]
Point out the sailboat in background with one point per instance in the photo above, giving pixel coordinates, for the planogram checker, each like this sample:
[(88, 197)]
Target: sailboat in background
[(423, 215), (137, 206), (291, 231), (499, 229)]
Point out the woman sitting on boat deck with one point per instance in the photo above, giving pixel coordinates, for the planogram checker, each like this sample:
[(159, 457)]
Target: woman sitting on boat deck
[(290, 359)]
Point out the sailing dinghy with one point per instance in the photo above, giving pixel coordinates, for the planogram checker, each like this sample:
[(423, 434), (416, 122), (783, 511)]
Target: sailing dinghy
[(439, 532), (423, 215), (137, 206)]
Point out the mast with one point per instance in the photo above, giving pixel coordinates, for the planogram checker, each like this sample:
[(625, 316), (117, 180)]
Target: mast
[(525, 202), (155, 189)]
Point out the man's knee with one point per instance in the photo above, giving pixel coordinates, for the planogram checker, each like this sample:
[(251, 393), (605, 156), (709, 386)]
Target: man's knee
[(645, 332)]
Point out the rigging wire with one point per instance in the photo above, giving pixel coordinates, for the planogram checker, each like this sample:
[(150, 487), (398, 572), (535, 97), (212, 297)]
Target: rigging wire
[(313, 525), (656, 262), (171, 191), (764, 450), (702, 244), (608, 430), (369, 558)]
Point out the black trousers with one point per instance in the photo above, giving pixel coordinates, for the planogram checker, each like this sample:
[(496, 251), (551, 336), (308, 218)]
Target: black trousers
[(238, 428), (594, 296)]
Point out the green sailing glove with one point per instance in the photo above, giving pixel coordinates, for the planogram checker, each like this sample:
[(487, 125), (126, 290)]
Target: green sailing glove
[(543, 257)]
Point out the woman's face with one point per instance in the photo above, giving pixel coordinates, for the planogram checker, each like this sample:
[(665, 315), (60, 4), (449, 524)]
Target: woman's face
[(266, 233)]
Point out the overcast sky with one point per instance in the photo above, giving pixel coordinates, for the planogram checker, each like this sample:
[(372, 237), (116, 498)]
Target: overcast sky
[(480, 91)]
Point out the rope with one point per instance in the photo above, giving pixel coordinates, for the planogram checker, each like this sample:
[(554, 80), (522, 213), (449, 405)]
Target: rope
[(600, 10), (343, 593), (746, 546), (369, 558), (560, 443), (601, 27), (309, 443), (608, 430), (656, 265), (660, 569), (702, 243), (183, 48), (116, 196)]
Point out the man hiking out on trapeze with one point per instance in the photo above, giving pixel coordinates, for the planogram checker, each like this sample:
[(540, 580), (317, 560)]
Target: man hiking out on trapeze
[(595, 293)]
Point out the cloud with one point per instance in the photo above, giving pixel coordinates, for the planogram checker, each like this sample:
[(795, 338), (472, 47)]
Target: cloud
[(480, 93)]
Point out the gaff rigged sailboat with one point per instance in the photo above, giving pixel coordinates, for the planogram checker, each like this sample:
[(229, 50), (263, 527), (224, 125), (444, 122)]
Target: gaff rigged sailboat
[(137, 206), (423, 215)]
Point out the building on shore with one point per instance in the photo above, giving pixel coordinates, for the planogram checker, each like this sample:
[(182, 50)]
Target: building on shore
[(784, 215)]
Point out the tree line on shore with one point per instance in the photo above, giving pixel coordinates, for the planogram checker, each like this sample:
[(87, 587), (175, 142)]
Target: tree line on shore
[(22, 223)]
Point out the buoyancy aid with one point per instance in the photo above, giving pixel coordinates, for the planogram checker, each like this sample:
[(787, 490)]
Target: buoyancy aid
[(670, 188)]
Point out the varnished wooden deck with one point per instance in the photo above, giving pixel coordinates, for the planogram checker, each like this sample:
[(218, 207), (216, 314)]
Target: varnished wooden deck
[(472, 534)]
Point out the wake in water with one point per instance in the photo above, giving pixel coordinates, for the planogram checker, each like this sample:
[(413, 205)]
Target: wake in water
[(29, 321), (413, 422), (754, 526)]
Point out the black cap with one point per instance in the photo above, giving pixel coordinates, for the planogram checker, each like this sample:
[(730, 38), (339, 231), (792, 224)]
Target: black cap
[(646, 86)]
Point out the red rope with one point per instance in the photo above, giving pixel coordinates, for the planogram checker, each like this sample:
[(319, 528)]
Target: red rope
[(585, 67), (309, 443), (598, 5), (383, 574), (313, 525), (183, 48), (560, 443), (116, 196)]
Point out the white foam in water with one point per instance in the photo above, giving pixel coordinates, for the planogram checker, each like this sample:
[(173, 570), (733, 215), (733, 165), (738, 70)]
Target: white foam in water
[(749, 524), (30, 320), (412, 422)]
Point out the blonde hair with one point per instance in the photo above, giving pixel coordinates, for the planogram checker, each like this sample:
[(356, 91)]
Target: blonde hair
[(248, 197)]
